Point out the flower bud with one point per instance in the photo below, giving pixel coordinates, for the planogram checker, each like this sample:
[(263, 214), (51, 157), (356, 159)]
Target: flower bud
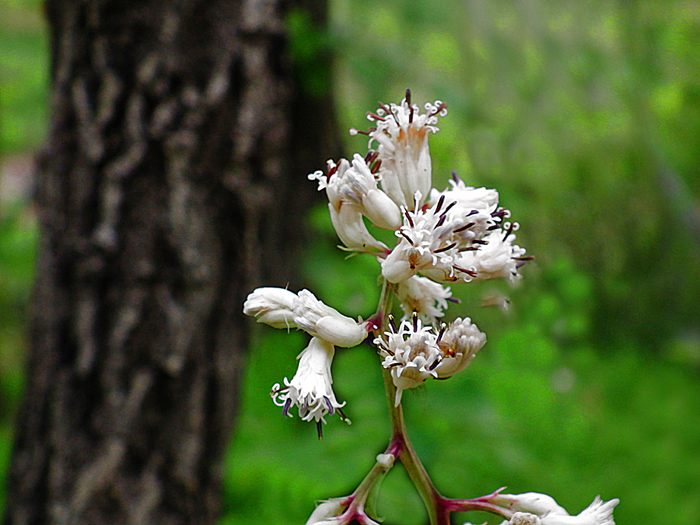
[(272, 306)]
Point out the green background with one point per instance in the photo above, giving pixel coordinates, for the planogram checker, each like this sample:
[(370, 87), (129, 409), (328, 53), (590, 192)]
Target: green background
[(585, 115)]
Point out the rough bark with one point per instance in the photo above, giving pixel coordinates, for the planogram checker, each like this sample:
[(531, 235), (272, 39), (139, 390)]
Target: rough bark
[(163, 197)]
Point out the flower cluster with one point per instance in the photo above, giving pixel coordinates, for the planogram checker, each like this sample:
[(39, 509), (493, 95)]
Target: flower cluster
[(436, 238), (456, 235)]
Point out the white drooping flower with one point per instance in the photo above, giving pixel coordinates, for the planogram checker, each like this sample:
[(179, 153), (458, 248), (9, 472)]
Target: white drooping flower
[(415, 353), (319, 320), (352, 192), (355, 182), (273, 306), (281, 308), (459, 343), (401, 134), (539, 509), (311, 387)]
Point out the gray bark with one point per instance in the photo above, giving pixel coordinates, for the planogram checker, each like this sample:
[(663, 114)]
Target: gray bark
[(164, 197)]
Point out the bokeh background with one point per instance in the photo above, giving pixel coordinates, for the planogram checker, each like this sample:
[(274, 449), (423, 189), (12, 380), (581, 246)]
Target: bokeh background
[(585, 116)]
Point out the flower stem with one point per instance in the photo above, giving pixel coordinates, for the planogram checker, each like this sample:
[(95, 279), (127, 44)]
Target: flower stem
[(402, 448)]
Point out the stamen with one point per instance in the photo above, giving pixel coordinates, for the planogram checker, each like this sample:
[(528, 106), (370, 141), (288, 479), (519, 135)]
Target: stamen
[(331, 410), (443, 327), (392, 323), (449, 207), (319, 429), (437, 361), (406, 237), (463, 270), (439, 204), (408, 216), (445, 248), (440, 221), (415, 321), (438, 110), (287, 406), (465, 227)]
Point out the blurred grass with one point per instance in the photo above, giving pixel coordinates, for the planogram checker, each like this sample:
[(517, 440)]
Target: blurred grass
[(585, 117)]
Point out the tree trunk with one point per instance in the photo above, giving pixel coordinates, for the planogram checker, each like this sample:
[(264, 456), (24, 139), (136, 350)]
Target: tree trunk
[(163, 197)]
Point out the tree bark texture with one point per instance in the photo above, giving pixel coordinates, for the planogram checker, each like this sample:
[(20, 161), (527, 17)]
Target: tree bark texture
[(169, 187)]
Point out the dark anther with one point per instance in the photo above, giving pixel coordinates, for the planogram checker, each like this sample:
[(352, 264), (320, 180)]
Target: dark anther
[(439, 204), (455, 177), (435, 363), (465, 227), (449, 207), (440, 221), (287, 406), (408, 101), (479, 241), (406, 237), (442, 331), (331, 410), (408, 96), (468, 272), (408, 216), (342, 415), (510, 229), (415, 321), (445, 248), (392, 323), (319, 429)]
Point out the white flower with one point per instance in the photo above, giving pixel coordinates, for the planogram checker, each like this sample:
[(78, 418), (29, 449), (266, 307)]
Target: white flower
[(423, 296), (467, 196), (523, 518), (496, 258), (351, 230), (459, 343), (414, 353), (352, 192), (273, 306), (597, 513), (432, 241), (540, 509), (401, 134), (410, 352), (310, 389), (532, 502), (281, 308), (319, 320), (327, 510)]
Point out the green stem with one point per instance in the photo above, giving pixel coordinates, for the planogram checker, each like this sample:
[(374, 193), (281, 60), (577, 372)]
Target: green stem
[(407, 454)]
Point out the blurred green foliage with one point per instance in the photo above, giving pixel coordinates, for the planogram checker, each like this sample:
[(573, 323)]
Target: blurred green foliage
[(586, 117)]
